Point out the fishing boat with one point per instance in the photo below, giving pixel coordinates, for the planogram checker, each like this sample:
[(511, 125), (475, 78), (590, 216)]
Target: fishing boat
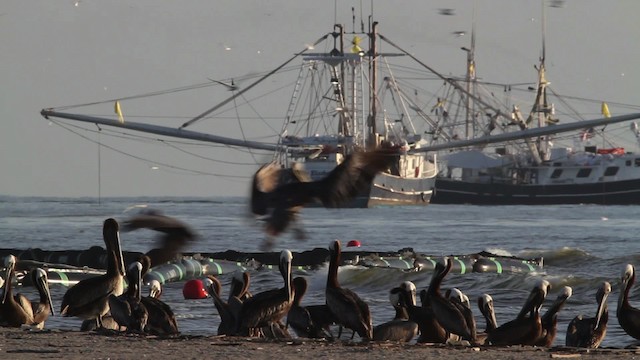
[(550, 169), (349, 96)]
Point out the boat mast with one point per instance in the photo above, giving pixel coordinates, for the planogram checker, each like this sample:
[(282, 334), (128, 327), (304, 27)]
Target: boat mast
[(373, 70), (471, 77)]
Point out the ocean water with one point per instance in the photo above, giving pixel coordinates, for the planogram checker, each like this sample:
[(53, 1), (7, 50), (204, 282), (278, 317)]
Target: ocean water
[(581, 245)]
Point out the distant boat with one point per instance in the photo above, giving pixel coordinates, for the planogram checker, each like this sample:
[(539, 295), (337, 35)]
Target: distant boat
[(533, 171)]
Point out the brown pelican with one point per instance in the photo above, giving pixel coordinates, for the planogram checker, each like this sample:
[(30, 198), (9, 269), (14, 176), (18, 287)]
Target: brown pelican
[(550, 319), (628, 316), (280, 204), (127, 309), (525, 329), (299, 318), (161, 320), (88, 299), (15, 311), (400, 328), (227, 324), (268, 307), (446, 312), (430, 329), (347, 307), (485, 304), (44, 307), (462, 302), (589, 332), (176, 234)]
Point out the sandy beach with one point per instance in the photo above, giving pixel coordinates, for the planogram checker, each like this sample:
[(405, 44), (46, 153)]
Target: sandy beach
[(55, 344)]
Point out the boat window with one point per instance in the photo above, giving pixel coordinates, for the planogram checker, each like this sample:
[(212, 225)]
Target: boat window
[(611, 171), (556, 173), (628, 162), (557, 164), (583, 173), (637, 161)]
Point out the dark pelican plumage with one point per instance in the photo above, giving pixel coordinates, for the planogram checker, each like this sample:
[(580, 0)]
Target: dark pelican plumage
[(589, 332), (299, 318), (127, 309), (176, 234), (227, 324), (400, 328), (485, 304), (15, 311), (430, 330), (161, 320), (268, 307), (550, 318), (526, 328), (278, 205), (347, 307), (628, 316), (462, 302), (44, 307), (88, 299), (447, 313)]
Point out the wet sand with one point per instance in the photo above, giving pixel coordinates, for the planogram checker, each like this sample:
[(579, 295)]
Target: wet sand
[(56, 344)]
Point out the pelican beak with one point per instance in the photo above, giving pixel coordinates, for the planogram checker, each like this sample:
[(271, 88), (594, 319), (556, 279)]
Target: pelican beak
[(44, 285), (7, 285)]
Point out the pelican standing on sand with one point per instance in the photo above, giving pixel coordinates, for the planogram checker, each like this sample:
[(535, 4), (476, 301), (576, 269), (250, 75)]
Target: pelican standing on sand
[(127, 309), (44, 307), (15, 311), (299, 317), (227, 324), (589, 332), (89, 298), (550, 318), (268, 307), (347, 307), (628, 316), (278, 204), (485, 304), (524, 329), (445, 312)]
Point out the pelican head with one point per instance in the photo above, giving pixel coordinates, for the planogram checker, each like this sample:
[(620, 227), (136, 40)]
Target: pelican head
[(601, 297), (155, 289), (9, 264), (410, 288), (41, 282)]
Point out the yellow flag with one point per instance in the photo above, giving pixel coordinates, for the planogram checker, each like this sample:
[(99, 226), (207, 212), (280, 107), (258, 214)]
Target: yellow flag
[(356, 45), (605, 110), (118, 111)]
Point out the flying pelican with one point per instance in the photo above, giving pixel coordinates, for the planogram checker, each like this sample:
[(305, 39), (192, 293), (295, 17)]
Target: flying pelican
[(15, 311), (44, 307), (279, 205), (628, 316), (550, 319), (346, 306), (176, 234), (524, 329), (400, 328), (445, 312), (88, 299), (299, 318), (127, 309), (589, 332), (268, 307)]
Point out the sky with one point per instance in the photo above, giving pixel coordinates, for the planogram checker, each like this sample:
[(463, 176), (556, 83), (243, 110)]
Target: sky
[(66, 52)]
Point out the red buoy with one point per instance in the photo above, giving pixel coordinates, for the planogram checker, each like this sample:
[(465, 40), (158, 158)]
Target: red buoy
[(194, 289), (353, 243)]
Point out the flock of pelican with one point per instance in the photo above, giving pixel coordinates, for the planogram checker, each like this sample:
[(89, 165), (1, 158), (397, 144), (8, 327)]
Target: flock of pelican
[(442, 317)]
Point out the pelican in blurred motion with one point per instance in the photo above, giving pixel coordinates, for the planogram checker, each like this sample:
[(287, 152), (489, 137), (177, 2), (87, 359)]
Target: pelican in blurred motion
[(589, 332), (268, 307), (278, 204), (526, 328), (400, 328), (628, 316), (88, 299), (176, 234), (550, 318), (347, 307)]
